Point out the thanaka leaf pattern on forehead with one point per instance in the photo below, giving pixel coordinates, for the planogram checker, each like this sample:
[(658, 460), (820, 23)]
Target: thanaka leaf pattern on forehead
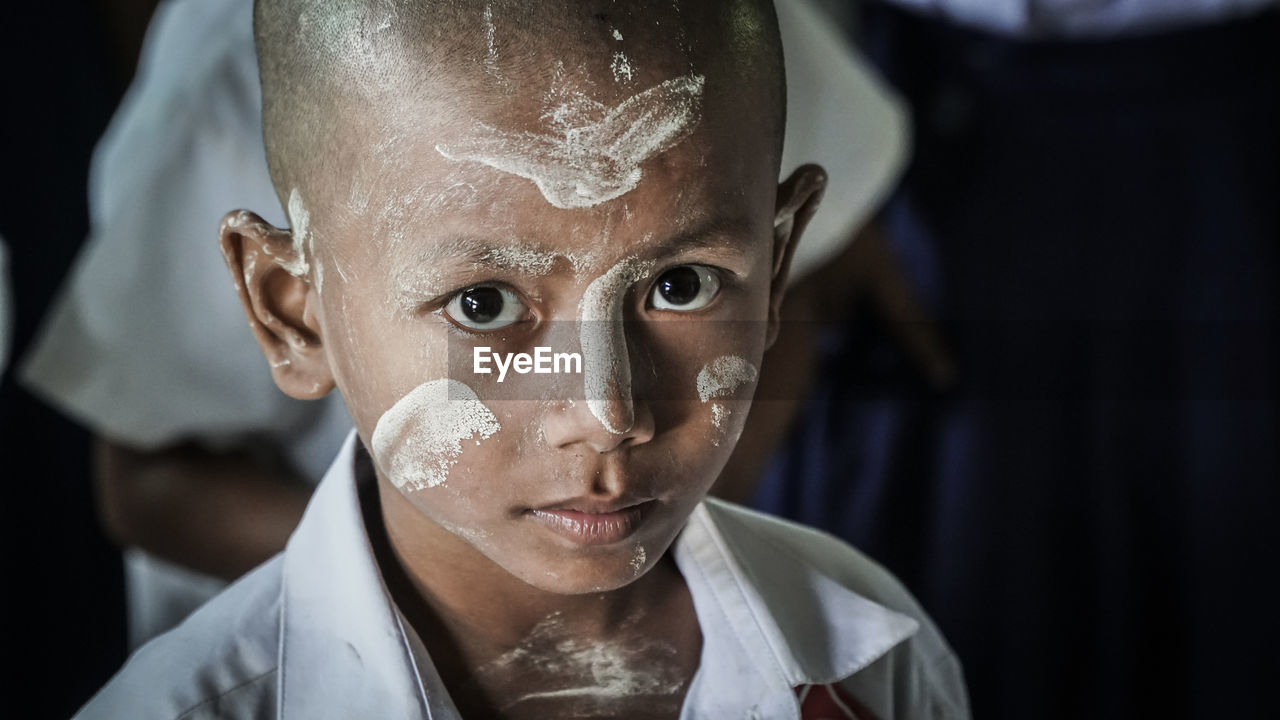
[(591, 162)]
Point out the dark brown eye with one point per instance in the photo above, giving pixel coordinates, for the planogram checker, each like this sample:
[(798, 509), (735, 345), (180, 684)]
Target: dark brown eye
[(688, 287), (485, 308)]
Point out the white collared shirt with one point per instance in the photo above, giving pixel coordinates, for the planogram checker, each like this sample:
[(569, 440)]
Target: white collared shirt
[(313, 633)]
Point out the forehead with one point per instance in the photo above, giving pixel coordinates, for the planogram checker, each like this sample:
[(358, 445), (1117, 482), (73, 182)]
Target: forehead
[(557, 165)]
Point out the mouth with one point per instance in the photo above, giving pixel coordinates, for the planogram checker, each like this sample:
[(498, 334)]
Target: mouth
[(587, 523)]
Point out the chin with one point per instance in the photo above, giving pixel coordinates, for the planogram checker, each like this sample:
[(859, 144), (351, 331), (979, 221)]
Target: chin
[(604, 572)]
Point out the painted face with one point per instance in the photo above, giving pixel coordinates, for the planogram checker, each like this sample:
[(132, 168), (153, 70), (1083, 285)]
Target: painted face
[(633, 230)]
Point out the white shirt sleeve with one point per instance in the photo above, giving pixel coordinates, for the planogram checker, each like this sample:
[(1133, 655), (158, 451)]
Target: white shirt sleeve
[(843, 117)]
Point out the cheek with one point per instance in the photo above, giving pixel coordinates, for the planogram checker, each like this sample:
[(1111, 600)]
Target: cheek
[(724, 387), (706, 376), (419, 439), (385, 364)]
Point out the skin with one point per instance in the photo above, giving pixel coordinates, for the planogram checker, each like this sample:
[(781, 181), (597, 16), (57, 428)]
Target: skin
[(220, 513), (474, 570)]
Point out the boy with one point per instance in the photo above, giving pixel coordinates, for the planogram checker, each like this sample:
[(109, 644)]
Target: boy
[(595, 179)]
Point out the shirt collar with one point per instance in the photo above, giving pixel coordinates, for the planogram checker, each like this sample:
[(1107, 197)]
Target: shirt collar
[(346, 632), (771, 619)]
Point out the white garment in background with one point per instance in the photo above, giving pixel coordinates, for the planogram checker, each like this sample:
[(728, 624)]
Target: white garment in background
[(315, 634), (1083, 18), (147, 344), (843, 117)]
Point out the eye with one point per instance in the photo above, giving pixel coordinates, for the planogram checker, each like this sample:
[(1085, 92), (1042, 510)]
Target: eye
[(684, 288), (485, 307)]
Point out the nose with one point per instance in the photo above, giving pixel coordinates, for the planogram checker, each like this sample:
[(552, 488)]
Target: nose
[(609, 417), (574, 423)]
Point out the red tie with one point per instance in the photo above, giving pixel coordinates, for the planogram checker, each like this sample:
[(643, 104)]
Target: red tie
[(829, 702)]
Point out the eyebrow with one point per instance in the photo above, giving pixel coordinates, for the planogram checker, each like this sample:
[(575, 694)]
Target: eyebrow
[(424, 270), (437, 260), (455, 251), (718, 233)]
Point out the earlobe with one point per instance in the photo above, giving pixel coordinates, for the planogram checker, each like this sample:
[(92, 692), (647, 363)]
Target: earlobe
[(798, 199), (279, 305)]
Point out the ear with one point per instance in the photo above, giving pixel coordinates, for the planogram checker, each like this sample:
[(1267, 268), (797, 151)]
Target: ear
[(280, 304), (798, 199)]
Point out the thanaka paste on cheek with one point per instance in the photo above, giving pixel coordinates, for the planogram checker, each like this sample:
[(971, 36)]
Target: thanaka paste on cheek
[(722, 377), (591, 161), (419, 439), (719, 415), (606, 364)]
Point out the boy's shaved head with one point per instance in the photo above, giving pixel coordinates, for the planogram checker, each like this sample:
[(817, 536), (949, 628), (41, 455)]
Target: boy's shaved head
[(329, 67)]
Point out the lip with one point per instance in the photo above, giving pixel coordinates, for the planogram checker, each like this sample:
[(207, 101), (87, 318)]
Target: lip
[(584, 524)]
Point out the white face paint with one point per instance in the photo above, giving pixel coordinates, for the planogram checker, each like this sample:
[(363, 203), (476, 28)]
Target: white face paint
[(595, 673), (720, 378), (358, 202), (414, 283), (491, 36), (420, 437), (723, 376), (719, 414), (638, 560), (623, 72), (591, 162), (300, 219), (527, 260), (605, 360)]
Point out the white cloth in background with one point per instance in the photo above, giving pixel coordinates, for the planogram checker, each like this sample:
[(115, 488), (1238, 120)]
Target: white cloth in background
[(314, 632), (843, 117), (1083, 18), (147, 343)]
